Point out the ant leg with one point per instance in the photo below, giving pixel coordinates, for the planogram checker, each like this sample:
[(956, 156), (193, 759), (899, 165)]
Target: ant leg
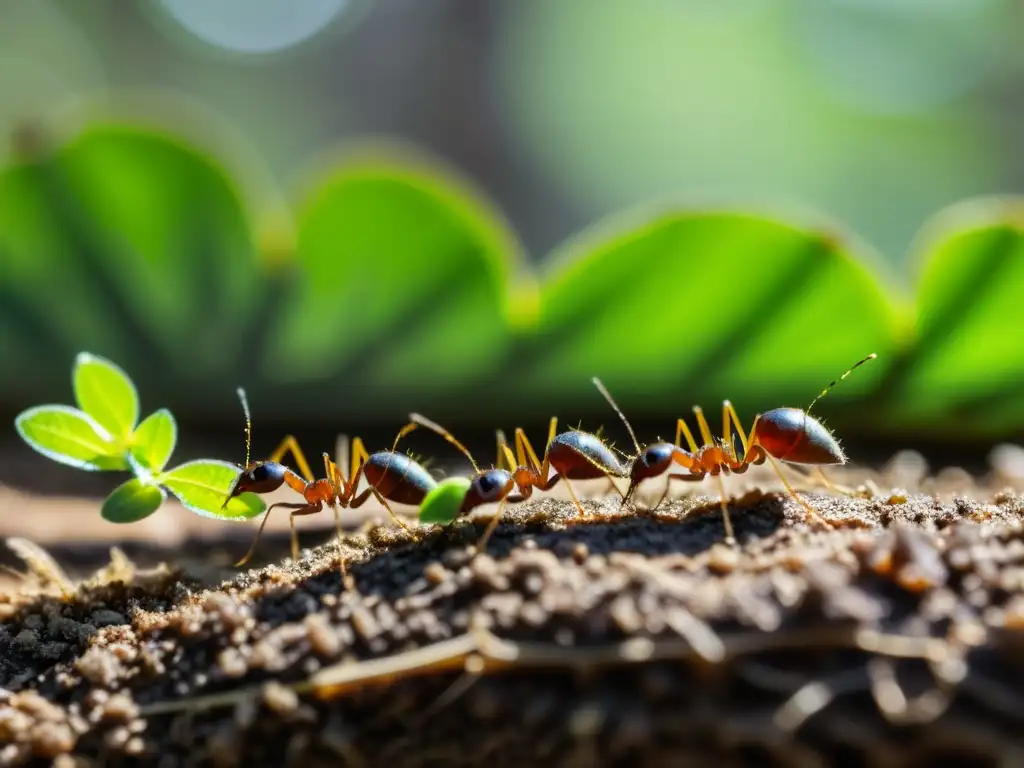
[(525, 455), (730, 538), (727, 407), (358, 457), (362, 498), (307, 509), (683, 430), (727, 431), (289, 443), (811, 512), (702, 424), (753, 452), (342, 451), (342, 564), (266, 516), (576, 499), (491, 526), (502, 451), (572, 491)]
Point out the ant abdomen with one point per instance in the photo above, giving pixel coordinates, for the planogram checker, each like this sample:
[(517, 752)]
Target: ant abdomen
[(398, 477), (582, 456), (790, 434)]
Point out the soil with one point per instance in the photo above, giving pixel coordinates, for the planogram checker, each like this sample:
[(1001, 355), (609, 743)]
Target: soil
[(892, 634)]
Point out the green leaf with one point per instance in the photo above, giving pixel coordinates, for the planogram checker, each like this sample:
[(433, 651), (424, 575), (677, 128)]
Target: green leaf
[(441, 505), (175, 239), (203, 485), (153, 442), (132, 501), (693, 305), (964, 373), (106, 393), (69, 436), (145, 242), (405, 280)]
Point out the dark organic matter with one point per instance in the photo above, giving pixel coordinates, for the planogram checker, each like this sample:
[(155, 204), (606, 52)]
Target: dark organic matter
[(894, 638)]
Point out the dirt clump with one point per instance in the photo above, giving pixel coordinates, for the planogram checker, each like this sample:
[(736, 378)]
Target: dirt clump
[(893, 636)]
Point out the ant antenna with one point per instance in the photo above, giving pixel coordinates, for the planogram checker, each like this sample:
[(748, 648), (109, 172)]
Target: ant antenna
[(607, 396), (248, 424), (423, 421), (854, 367)]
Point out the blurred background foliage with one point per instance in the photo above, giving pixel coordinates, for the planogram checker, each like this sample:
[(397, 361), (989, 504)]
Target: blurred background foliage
[(358, 208)]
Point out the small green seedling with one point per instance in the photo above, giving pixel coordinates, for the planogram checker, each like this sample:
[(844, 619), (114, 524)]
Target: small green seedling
[(103, 434)]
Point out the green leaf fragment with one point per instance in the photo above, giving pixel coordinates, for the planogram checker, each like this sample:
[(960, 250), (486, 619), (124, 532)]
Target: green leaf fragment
[(154, 439), (132, 501), (69, 436), (442, 504), (203, 485), (106, 393)]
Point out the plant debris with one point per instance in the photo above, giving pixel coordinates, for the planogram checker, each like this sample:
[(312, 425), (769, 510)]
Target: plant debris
[(891, 638)]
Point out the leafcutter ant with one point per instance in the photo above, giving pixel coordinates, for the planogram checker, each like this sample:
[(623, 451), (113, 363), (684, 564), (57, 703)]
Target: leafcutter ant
[(390, 476), (783, 434)]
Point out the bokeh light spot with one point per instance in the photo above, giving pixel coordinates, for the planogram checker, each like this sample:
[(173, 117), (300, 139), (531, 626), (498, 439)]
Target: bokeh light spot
[(254, 26)]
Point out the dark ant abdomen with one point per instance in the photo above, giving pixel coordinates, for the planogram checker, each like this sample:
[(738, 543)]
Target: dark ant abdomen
[(398, 477), (582, 456)]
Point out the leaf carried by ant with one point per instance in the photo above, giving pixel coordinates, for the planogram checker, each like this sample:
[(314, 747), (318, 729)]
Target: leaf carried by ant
[(202, 485), (132, 501), (441, 505), (70, 436), (106, 393), (154, 440)]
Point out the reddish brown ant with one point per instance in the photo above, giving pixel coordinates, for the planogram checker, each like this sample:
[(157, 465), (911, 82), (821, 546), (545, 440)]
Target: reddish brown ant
[(783, 434), (488, 486), (574, 455), (389, 475)]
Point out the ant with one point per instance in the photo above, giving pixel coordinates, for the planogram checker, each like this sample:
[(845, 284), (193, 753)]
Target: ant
[(574, 455), (783, 434), (390, 476), (494, 485)]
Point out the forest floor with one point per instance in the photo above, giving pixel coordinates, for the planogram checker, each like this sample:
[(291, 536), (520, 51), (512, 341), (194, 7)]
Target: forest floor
[(887, 632)]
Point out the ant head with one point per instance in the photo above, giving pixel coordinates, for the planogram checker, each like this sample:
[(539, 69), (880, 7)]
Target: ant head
[(263, 477), (790, 434), (488, 487), (652, 461)]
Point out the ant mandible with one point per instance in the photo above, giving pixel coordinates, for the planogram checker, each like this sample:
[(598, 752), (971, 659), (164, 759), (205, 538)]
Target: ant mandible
[(783, 434), (389, 475)]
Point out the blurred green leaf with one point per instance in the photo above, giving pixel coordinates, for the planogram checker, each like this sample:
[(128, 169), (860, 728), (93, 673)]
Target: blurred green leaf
[(203, 485), (441, 505), (967, 365), (692, 304), (132, 501), (69, 436), (144, 240), (153, 442), (176, 239), (405, 274), (106, 393)]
